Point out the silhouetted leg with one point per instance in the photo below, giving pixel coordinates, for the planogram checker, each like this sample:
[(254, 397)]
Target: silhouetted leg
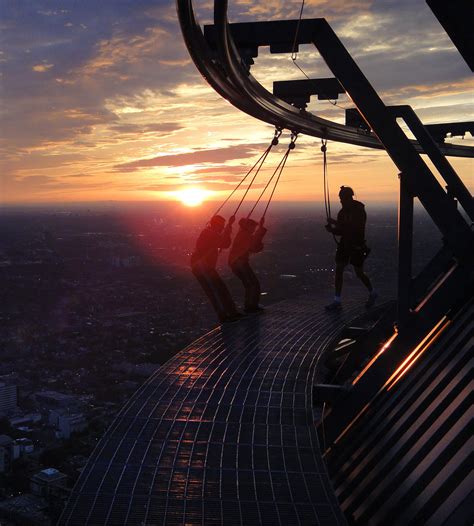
[(209, 287), (250, 282), (339, 278), (224, 295), (239, 271), (359, 270), (252, 296)]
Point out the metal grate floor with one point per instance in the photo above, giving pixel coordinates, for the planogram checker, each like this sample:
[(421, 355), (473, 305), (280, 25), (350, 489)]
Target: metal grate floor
[(222, 433)]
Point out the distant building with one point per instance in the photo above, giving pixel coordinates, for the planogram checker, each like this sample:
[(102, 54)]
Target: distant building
[(25, 509), (25, 446), (48, 482), (29, 418), (6, 453), (8, 398), (50, 400), (67, 423), (4, 461)]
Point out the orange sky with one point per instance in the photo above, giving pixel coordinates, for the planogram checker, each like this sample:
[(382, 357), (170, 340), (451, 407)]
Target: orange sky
[(116, 110)]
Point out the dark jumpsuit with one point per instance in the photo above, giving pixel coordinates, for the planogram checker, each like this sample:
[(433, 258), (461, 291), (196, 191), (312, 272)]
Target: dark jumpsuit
[(244, 244), (350, 225), (203, 264)]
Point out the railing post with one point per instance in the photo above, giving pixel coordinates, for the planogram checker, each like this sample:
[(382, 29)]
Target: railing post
[(405, 249)]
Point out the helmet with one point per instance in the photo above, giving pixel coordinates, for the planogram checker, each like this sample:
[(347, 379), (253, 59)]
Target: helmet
[(217, 220), (346, 191)]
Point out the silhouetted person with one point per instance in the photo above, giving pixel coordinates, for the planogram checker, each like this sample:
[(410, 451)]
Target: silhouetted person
[(214, 237), (247, 240), (351, 249)]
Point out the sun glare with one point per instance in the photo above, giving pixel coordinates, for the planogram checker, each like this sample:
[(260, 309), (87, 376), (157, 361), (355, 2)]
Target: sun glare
[(192, 196)]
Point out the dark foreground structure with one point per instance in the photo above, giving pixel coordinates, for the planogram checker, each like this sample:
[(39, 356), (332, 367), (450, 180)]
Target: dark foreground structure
[(303, 417), (227, 433)]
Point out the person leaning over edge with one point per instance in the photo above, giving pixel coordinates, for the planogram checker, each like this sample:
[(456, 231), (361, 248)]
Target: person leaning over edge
[(352, 248), (247, 241), (214, 237)]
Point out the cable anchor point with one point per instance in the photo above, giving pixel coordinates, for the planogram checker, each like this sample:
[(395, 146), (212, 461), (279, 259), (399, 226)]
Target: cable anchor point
[(278, 132), (294, 136)]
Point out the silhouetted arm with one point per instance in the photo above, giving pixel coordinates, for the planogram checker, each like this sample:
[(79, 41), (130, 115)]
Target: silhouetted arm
[(225, 238), (257, 240), (335, 226)]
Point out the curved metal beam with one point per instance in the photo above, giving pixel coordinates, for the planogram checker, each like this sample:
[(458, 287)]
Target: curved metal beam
[(224, 71)]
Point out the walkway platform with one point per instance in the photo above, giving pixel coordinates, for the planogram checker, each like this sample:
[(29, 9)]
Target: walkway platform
[(222, 434)]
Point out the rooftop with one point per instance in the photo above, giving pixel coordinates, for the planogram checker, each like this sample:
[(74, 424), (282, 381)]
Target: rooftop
[(49, 475), (55, 395)]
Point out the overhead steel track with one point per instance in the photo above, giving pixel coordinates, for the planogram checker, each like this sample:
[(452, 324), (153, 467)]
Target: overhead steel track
[(221, 54)]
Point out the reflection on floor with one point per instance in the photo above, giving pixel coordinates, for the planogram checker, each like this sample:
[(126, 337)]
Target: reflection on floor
[(222, 433)]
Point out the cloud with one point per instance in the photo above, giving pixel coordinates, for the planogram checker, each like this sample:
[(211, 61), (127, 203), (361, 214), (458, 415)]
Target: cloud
[(213, 187), (79, 175), (120, 55), (41, 68), (218, 155), (38, 161), (61, 60), (164, 128), (222, 169), (444, 113), (43, 184), (283, 10)]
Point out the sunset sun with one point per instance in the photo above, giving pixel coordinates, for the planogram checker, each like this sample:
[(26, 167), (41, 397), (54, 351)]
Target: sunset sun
[(192, 196)]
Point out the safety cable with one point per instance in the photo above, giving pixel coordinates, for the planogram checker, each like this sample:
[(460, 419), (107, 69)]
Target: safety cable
[(267, 151), (294, 56), (278, 170), (327, 201), (260, 160), (276, 182), (327, 195)]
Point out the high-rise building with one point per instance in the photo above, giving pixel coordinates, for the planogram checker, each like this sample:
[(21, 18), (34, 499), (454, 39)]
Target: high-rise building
[(8, 398), (6, 453)]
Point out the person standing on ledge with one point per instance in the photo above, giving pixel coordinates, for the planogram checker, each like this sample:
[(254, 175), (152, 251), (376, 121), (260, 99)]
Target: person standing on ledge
[(247, 240), (214, 237), (351, 249)]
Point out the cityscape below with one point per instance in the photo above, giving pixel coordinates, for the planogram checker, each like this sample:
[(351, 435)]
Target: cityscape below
[(96, 298)]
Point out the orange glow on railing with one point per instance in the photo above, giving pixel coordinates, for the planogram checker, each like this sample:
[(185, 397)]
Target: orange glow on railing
[(435, 288), (354, 420), (417, 352), (401, 370), (382, 349)]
